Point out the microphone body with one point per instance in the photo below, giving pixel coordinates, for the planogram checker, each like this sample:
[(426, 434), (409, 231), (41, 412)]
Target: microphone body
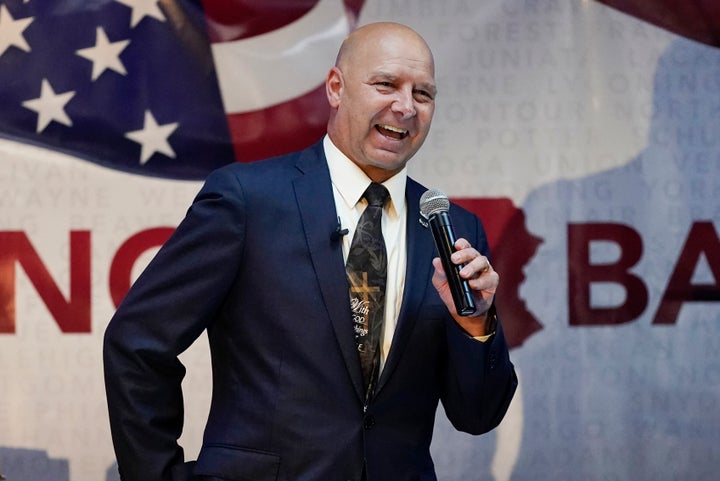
[(444, 236)]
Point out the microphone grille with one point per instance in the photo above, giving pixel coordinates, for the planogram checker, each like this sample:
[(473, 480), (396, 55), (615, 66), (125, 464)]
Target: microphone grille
[(433, 201)]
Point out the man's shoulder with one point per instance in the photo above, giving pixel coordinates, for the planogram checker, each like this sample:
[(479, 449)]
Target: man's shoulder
[(273, 166)]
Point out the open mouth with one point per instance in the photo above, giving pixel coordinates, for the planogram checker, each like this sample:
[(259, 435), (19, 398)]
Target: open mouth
[(392, 132)]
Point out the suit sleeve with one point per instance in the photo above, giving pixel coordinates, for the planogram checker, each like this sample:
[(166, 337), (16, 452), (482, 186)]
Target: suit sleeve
[(480, 380), (168, 307)]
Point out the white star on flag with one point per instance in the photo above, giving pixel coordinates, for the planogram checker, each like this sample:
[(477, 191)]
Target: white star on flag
[(11, 31), (153, 138), (50, 106), (143, 8), (105, 54)]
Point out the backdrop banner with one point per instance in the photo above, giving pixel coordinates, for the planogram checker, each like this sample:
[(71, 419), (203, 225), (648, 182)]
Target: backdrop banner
[(585, 134)]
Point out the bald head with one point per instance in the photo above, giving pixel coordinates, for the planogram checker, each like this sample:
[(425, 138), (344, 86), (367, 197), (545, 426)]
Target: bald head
[(382, 97), (369, 37)]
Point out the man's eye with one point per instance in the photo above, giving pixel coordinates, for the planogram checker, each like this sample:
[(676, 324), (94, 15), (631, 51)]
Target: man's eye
[(424, 95)]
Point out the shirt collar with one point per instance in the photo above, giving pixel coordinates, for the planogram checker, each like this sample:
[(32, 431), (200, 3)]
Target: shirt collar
[(351, 182)]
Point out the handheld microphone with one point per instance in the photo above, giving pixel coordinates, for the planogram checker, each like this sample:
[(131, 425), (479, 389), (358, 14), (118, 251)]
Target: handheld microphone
[(434, 206)]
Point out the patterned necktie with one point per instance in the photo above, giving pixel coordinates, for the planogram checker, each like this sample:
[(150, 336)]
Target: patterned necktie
[(367, 271)]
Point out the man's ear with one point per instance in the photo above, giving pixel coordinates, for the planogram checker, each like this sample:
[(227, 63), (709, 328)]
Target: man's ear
[(333, 86)]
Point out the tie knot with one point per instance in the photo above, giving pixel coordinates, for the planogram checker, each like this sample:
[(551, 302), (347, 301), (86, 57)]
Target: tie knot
[(376, 194)]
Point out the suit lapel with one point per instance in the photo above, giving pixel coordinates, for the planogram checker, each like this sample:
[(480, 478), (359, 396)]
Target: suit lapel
[(420, 252), (313, 192)]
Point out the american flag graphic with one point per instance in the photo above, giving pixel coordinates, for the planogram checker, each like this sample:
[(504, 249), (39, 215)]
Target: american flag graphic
[(171, 88)]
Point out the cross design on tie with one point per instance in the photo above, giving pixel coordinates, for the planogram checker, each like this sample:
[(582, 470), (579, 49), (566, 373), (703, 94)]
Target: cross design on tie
[(360, 306), (363, 287), (367, 273)]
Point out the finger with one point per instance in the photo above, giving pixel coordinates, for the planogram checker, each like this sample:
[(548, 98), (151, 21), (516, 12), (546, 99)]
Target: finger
[(439, 269), (476, 267), (465, 255), (488, 281), (462, 243), (488, 267)]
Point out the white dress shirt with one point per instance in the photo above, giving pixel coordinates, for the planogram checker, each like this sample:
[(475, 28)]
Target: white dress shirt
[(349, 183)]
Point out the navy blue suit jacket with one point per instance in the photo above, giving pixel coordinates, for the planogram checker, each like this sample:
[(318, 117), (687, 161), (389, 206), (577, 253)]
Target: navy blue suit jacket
[(255, 264)]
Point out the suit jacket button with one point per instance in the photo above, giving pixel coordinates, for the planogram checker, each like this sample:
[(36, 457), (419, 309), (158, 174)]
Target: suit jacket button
[(369, 421)]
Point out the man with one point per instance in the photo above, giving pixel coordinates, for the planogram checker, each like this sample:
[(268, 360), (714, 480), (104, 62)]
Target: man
[(259, 261)]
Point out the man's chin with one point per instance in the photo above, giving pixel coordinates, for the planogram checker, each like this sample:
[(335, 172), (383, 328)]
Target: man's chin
[(380, 171), (391, 159), (391, 165)]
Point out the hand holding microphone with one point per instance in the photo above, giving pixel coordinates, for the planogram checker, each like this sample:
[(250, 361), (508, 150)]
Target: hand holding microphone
[(434, 206)]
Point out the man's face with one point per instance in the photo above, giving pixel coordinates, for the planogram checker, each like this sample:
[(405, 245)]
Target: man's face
[(384, 96)]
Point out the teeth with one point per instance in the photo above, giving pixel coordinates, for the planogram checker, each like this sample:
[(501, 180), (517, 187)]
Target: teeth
[(394, 129)]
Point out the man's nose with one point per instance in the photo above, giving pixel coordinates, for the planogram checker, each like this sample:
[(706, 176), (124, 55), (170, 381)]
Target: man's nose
[(404, 104)]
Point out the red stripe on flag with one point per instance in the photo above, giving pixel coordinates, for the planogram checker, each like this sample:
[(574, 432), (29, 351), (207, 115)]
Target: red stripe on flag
[(698, 20), (236, 19), (281, 128)]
